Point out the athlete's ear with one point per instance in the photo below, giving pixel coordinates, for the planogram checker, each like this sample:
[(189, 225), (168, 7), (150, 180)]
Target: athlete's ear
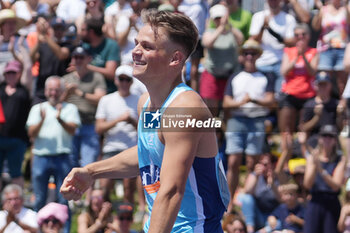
[(178, 58)]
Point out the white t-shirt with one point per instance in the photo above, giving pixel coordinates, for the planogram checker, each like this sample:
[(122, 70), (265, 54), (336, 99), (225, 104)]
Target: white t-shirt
[(197, 11), (71, 10), (137, 87), (283, 24), (114, 9), (123, 25), (123, 135), (26, 216), (255, 85)]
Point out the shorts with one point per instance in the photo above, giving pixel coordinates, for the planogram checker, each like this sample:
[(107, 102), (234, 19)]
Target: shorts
[(198, 52), (211, 87), (245, 135), (331, 59), (107, 155), (291, 101)]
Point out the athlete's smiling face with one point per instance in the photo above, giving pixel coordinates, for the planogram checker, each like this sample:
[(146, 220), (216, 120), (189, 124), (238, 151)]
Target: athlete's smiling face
[(152, 54)]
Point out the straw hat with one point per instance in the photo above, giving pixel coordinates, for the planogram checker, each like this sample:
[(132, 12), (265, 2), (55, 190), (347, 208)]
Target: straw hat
[(10, 14), (251, 44)]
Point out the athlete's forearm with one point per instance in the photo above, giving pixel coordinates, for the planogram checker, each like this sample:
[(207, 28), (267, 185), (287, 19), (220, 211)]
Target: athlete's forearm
[(123, 165)]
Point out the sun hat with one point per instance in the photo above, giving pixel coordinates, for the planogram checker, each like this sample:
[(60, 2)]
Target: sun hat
[(124, 70), (6, 14), (251, 44)]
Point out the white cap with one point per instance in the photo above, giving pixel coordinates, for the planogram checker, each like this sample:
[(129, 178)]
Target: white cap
[(217, 10), (124, 70)]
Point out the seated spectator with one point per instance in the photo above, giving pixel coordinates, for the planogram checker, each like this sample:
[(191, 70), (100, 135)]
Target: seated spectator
[(98, 215), (122, 222), (247, 98), (321, 110), (324, 176), (70, 10), (13, 135), (299, 65), (52, 217), (260, 195), (15, 218), (288, 216), (233, 224), (344, 219)]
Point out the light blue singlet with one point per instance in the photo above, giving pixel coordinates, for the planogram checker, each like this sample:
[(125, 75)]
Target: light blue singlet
[(206, 194)]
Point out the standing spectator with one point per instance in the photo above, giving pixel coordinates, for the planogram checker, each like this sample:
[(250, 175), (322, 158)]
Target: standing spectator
[(52, 52), (333, 20), (239, 18), (197, 11), (70, 10), (321, 110), (15, 218), (9, 41), (125, 31), (84, 89), (221, 43), (118, 124), (300, 9), (247, 96), (273, 28), (299, 66), (13, 135), (119, 127), (324, 176), (52, 217), (51, 126), (94, 10), (104, 51), (98, 214)]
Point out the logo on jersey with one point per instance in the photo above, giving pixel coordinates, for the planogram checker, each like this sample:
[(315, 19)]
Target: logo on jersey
[(151, 120), (150, 176)]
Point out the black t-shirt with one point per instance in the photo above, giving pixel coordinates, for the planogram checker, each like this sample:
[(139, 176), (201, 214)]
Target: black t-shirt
[(50, 65), (16, 109), (328, 116)]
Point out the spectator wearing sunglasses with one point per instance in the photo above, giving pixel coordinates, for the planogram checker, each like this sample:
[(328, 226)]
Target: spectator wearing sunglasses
[(118, 125), (247, 98), (52, 217), (122, 222)]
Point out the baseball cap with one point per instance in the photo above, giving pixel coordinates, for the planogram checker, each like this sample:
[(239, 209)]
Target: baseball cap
[(14, 66), (217, 11), (328, 130), (80, 51), (124, 70), (56, 21), (53, 209), (322, 77), (124, 208)]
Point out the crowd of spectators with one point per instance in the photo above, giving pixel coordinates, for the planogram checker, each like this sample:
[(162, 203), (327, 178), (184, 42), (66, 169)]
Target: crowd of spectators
[(275, 72)]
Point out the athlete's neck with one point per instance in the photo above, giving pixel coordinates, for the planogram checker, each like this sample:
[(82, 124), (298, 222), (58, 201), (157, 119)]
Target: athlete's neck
[(159, 93)]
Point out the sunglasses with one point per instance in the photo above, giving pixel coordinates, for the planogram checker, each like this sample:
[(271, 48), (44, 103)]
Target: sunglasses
[(252, 53), (300, 35), (328, 136), (125, 80), (125, 218), (11, 72), (53, 220), (77, 57)]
